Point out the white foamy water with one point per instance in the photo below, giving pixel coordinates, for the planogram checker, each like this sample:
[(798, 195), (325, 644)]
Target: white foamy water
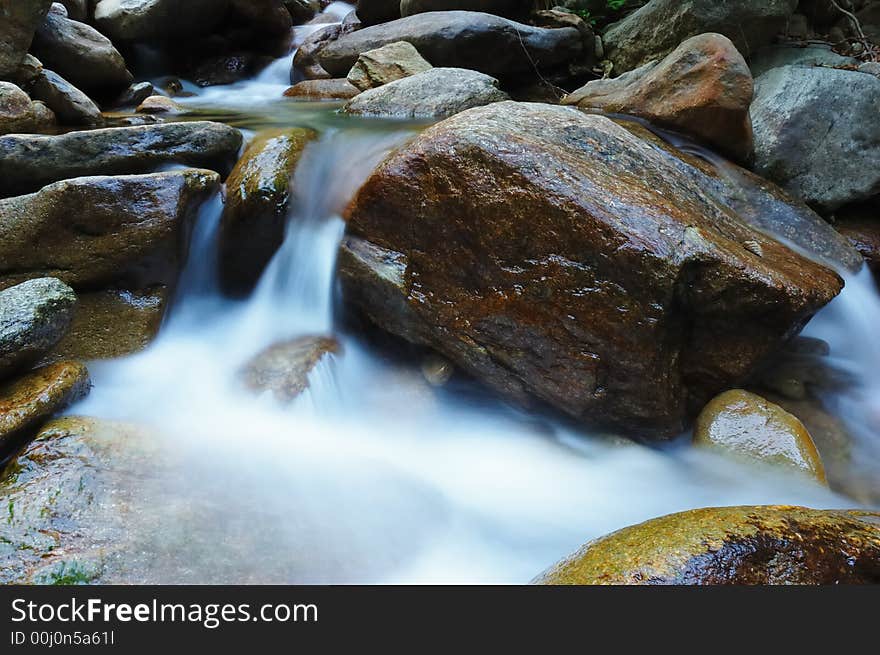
[(373, 475)]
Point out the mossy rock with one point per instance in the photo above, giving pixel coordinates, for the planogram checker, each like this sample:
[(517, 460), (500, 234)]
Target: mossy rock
[(259, 192), (732, 545), (752, 427)]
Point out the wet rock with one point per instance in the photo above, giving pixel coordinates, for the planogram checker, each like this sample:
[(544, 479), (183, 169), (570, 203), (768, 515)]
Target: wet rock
[(34, 316), (29, 400), (69, 104), (45, 120), (305, 63), (864, 234), (461, 39), (373, 12), (258, 196), (749, 426), (228, 68), (20, 20), (757, 201), (435, 93), (733, 545), (284, 368), (80, 54), (302, 11), (517, 9), (16, 110), (656, 29), (703, 88), (775, 56), (811, 136), (386, 64), (112, 323), (31, 162), (66, 499), (91, 231), (146, 20), (134, 95), (326, 89), (160, 105), (585, 309)]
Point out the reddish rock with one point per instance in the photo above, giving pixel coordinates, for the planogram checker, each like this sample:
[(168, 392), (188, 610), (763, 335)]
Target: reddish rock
[(703, 87), (332, 89)]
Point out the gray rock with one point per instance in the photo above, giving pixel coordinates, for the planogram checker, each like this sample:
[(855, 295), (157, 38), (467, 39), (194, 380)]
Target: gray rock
[(144, 20), (71, 106), (134, 95), (816, 133), (775, 56), (96, 231), (657, 28), (461, 39), (79, 53), (386, 64), (516, 9), (20, 19), (16, 110), (28, 70), (34, 316), (435, 93), (31, 162)]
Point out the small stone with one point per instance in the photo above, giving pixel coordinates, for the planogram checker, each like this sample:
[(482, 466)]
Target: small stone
[(283, 369), (160, 105), (750, 426)]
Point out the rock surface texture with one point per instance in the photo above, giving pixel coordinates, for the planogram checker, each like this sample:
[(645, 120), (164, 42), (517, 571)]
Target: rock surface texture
[(733, 545), (553, 254)]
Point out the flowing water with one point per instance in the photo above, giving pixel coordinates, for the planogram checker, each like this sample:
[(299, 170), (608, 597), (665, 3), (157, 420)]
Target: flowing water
[(374, 475)]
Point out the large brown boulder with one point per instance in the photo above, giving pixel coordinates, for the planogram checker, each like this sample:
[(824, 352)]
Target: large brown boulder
[(20, 19), (703, 88), (259, 191), (91, 231), (553, 254), (732, 545)]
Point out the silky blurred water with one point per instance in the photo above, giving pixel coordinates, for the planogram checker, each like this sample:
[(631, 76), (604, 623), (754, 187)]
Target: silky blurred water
[(374, 475)]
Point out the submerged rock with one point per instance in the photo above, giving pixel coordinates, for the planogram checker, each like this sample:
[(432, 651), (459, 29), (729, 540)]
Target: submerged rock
[(20, 20), (34, 316), (284, 368), (656, 29), (460, 39), (703, 88), (552, 254), (80, 53), (67, 496), (386, 64), (31, 162), (91, 231), (435, 93), (749, 426), (29, 400), (756, 545), (811, 134), (258, 197), (112, 323)]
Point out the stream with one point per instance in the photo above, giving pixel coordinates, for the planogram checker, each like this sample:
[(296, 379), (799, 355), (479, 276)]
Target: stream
[(374, 475)]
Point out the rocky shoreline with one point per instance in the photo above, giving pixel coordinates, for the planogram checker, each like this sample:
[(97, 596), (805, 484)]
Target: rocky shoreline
[(623, 225)]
